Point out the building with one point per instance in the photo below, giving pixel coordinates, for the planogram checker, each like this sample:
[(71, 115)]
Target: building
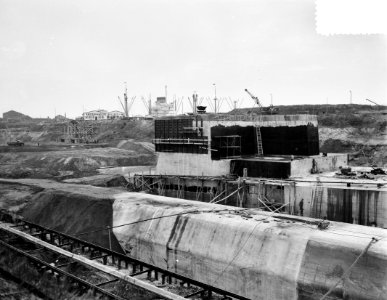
[(217, 145), (95, 115), (269, 161), (102, 114), (60, 118), (115, 114)]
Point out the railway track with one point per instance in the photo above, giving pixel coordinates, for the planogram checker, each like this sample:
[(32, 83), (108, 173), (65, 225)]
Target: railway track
[(30, 240)]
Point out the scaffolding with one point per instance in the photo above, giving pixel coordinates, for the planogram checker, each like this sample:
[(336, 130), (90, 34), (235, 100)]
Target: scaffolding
[(228, 146), (79, 132)]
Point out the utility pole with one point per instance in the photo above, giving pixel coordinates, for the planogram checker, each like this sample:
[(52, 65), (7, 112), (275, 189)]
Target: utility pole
[(150, 105), (166, 93), (126, 100), (271, 99), (215, 97), (350, 97)]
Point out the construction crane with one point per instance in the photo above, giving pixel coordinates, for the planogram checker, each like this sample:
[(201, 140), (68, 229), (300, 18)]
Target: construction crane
[(125, 106), (373, 102), (268, 110), (255, 98)]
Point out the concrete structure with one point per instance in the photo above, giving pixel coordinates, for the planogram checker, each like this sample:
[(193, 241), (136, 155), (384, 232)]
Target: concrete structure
[(251, 253), (208, 157), (254, 254), (213, 138), (326, 195)]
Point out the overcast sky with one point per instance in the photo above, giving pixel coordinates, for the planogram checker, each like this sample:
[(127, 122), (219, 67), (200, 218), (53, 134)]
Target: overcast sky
[(69, 56)]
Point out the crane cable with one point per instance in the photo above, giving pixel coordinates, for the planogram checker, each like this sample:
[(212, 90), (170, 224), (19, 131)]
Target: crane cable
[(347, 272)]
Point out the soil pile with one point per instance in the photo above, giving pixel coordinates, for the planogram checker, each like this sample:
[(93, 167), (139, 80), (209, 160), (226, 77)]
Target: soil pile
[(69, 163), (72, 210)]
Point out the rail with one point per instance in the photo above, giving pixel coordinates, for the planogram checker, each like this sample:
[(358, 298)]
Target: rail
[(41, 264), (187, 141), (119, 260)]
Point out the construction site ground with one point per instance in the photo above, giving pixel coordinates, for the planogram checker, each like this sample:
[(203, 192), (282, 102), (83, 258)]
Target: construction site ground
[(123, 146)]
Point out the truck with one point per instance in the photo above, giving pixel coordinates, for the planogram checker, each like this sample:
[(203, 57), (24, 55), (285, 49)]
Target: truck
[(16, 143)]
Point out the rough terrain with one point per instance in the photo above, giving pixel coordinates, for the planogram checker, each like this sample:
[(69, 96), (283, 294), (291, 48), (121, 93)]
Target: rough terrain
[(121, 143)]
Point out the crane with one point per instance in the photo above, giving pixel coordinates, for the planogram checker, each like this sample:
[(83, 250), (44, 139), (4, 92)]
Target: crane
[(255, 98), (372, 102), (125, 104), (268, 110)]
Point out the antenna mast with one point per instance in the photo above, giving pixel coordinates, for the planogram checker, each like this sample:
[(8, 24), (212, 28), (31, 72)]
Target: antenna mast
[(126, 101), (215, 99), (350, 97)]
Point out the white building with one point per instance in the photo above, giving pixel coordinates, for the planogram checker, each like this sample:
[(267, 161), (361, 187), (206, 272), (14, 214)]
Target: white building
[(99, 114), (115, 114)]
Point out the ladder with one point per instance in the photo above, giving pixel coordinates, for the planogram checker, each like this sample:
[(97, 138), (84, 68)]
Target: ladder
[(317, 199), (259, 140)]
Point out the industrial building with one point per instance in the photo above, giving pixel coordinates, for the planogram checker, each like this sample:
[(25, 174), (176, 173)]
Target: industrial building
[(265, 161), (102, 114)]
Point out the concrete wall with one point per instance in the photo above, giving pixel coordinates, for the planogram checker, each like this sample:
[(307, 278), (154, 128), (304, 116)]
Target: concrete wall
[(258, 257), (357, 205), (332, 162), (266, 121), (191, 164)]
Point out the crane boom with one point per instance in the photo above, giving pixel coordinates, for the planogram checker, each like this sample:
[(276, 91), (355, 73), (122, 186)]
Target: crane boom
[(123, 107), (372, 102), (255, 98)]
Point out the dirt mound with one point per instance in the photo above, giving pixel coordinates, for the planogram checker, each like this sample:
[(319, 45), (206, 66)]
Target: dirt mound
[(359, 154), (15, 197), (69, 163), (47, 131), (115, 130), (102, 180), (60, 210)]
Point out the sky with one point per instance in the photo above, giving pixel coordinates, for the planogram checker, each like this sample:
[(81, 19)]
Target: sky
[(67, 57)]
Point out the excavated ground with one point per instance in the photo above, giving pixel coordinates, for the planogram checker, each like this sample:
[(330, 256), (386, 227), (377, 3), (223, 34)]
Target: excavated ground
[(75, 210), (120, 143), (69, 162)]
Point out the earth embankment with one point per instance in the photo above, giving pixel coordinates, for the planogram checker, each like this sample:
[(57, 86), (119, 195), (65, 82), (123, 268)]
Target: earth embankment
[(77, 210), (69, 163), (119, 143)]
